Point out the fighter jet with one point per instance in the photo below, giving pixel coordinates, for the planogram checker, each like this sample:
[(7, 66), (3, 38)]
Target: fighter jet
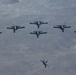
[(38, 33), (38, 23), (44, 63), (15, 28), (62, 27)]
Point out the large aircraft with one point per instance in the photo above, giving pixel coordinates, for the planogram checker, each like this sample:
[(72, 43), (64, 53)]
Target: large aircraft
[(62, 27), (15, 28), (38, 23), (38, 33), (44, 63)]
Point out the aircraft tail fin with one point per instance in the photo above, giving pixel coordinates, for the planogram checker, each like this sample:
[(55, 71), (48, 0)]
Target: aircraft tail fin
[(63, 30), (14, 30)]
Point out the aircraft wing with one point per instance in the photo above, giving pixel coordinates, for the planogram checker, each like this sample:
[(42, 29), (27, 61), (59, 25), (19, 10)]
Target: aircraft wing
[(9, 27), (42, 61), (32, 32), (32, 23), (56, 26), (75, 31), (20, 27), (44, 22), (67, 26), (46, 61), (0, 32), (43, 32)]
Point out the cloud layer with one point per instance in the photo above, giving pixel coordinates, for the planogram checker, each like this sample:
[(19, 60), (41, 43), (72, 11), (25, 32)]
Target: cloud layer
[(20, 53), (8, 1)]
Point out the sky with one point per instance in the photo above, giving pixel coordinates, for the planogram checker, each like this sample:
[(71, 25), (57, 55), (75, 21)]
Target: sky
[(20, 53)]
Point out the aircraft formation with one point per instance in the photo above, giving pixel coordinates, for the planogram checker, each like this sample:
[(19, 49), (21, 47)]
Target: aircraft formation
[(38, 32), (39, 23)]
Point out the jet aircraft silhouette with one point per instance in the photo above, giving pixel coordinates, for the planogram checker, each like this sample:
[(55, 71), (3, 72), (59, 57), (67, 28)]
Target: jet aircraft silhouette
[(38, 23), (15, 28), (62, 27), (44, 63), (38, 33)]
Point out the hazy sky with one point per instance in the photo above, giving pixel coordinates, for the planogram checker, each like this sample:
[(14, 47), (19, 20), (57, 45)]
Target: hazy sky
[(20, 53)]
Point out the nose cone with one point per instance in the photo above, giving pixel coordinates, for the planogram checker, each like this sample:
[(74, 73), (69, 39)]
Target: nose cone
[(38, 22), (62, 26)]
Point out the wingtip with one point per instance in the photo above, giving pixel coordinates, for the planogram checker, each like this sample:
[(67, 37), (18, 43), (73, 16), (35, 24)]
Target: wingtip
[(0, 32), (48, 23), (74, 31), (46, 32), (23, 27), (7, 27), (30, 23), (30, 32)]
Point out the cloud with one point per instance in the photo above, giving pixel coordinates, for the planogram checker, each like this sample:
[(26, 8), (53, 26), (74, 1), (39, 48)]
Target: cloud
[(8, 1)]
